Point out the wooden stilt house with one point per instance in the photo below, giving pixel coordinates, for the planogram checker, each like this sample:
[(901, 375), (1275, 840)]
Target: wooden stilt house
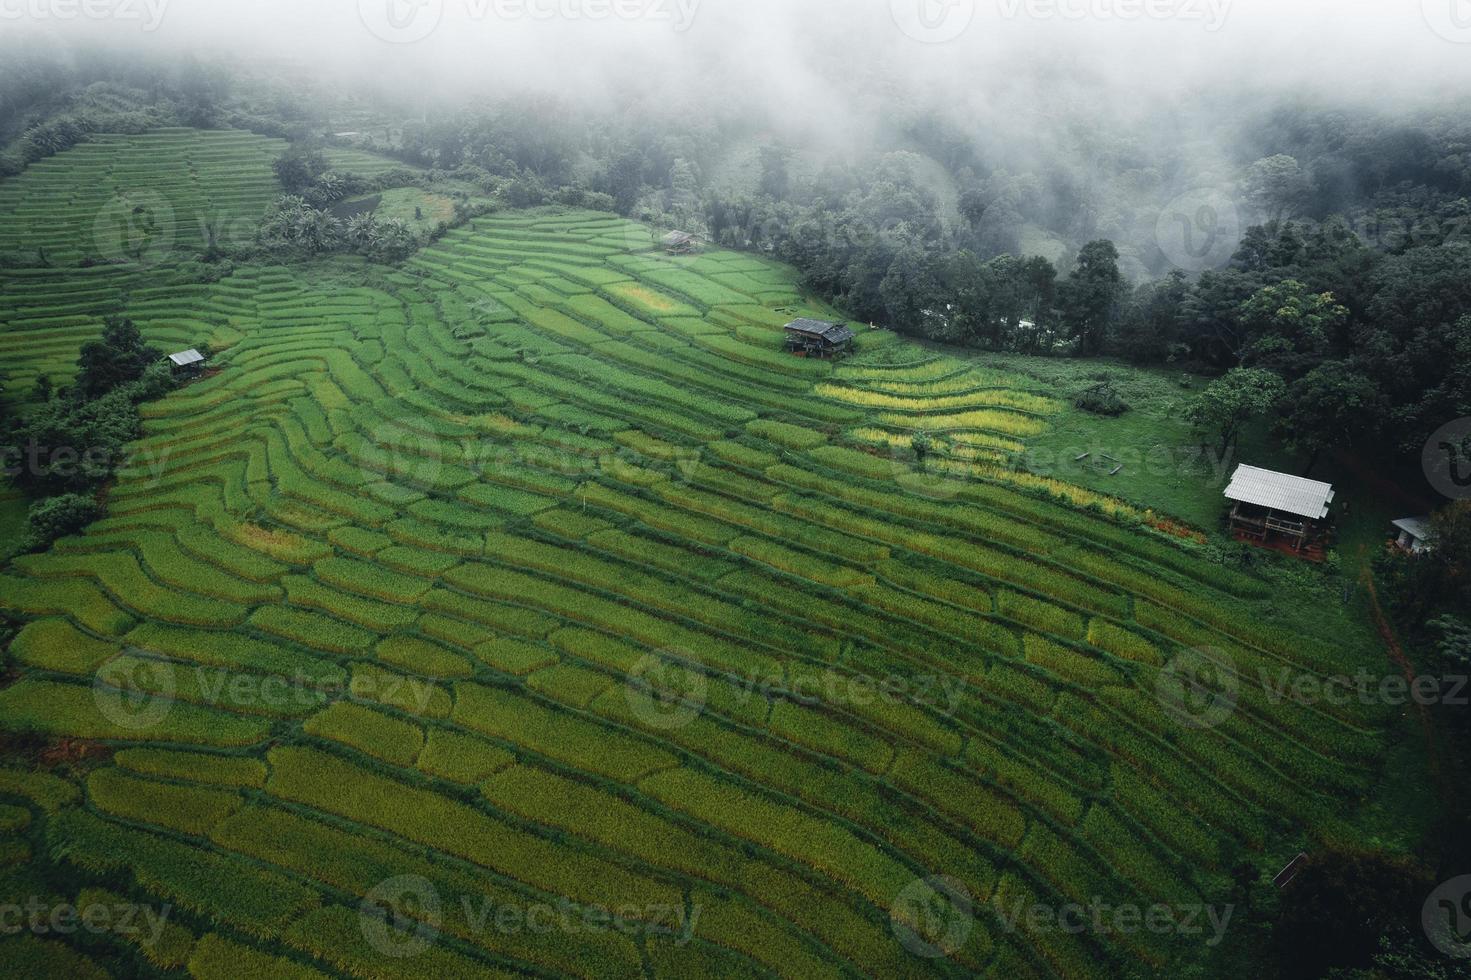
[(1280, 511)]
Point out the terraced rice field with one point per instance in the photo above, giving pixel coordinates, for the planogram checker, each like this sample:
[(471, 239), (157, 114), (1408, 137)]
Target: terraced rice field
[(584, 593), (124, 203), (116, 196)]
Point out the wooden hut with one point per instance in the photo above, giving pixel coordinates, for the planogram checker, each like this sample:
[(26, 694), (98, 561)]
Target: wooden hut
[(1412, 535), (1280, 511), (186, 362), (818, 338), (679, 243)]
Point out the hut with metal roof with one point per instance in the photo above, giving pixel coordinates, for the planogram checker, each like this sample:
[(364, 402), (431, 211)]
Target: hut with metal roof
[(1413, 534), (818, 338), (1276, 509), (679, 243), (186, 361)]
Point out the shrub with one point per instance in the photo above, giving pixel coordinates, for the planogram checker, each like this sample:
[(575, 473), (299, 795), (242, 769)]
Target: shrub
[(1102, 399), (56, 517)]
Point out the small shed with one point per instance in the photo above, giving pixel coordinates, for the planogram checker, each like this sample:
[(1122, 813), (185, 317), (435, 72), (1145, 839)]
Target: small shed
[(818, 338), (186, 361), (1274, 509), (679, 243), (1413, 534)]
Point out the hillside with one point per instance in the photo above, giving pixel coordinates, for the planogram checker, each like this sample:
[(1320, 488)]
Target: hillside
[(535, 572)]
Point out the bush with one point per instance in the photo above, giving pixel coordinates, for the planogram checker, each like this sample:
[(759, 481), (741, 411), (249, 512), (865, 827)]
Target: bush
[(56, 517), (1102, 399)]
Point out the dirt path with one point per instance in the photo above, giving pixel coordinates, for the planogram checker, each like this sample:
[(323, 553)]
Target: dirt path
[(1401, 659)]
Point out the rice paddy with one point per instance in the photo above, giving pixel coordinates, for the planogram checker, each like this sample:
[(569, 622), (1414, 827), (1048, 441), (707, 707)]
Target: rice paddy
[(534, 571)]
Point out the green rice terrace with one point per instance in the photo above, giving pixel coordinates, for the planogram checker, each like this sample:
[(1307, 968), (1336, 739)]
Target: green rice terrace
[(586, 595)]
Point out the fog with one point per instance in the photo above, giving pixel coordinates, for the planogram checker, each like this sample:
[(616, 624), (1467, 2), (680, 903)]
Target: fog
[(819, 63), (1093, 90)]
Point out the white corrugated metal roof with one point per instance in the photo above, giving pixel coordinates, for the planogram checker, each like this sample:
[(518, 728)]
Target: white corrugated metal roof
[(1418, 527), (1279, 491), (186, 357)]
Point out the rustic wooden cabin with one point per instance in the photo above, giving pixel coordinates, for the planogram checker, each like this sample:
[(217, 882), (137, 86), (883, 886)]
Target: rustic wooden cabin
[(1412, 535), (1277, 510), (679, 243), (818, 338), (186, 362)]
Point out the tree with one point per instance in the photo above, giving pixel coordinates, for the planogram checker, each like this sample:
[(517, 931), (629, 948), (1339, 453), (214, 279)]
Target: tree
[(1340, 904), (922, 444), (910, 291), (293, 225), (1151, 325), (776, 181), (298, 168), (56, 517), (1230, 402), (1454, 646), (118, 358), (1090, 296), (1288, 328), (1331, 407), (1450, 553), (1276, 187), (69, 446)]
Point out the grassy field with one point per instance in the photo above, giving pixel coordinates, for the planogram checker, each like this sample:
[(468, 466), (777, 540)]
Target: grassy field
[(421, 210), (582, 591)]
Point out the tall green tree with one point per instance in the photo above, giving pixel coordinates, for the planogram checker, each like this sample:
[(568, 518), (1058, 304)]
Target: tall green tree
[(1333, 406), (1289, 328), (1230, 402), (119, 357), (1090, 296)]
